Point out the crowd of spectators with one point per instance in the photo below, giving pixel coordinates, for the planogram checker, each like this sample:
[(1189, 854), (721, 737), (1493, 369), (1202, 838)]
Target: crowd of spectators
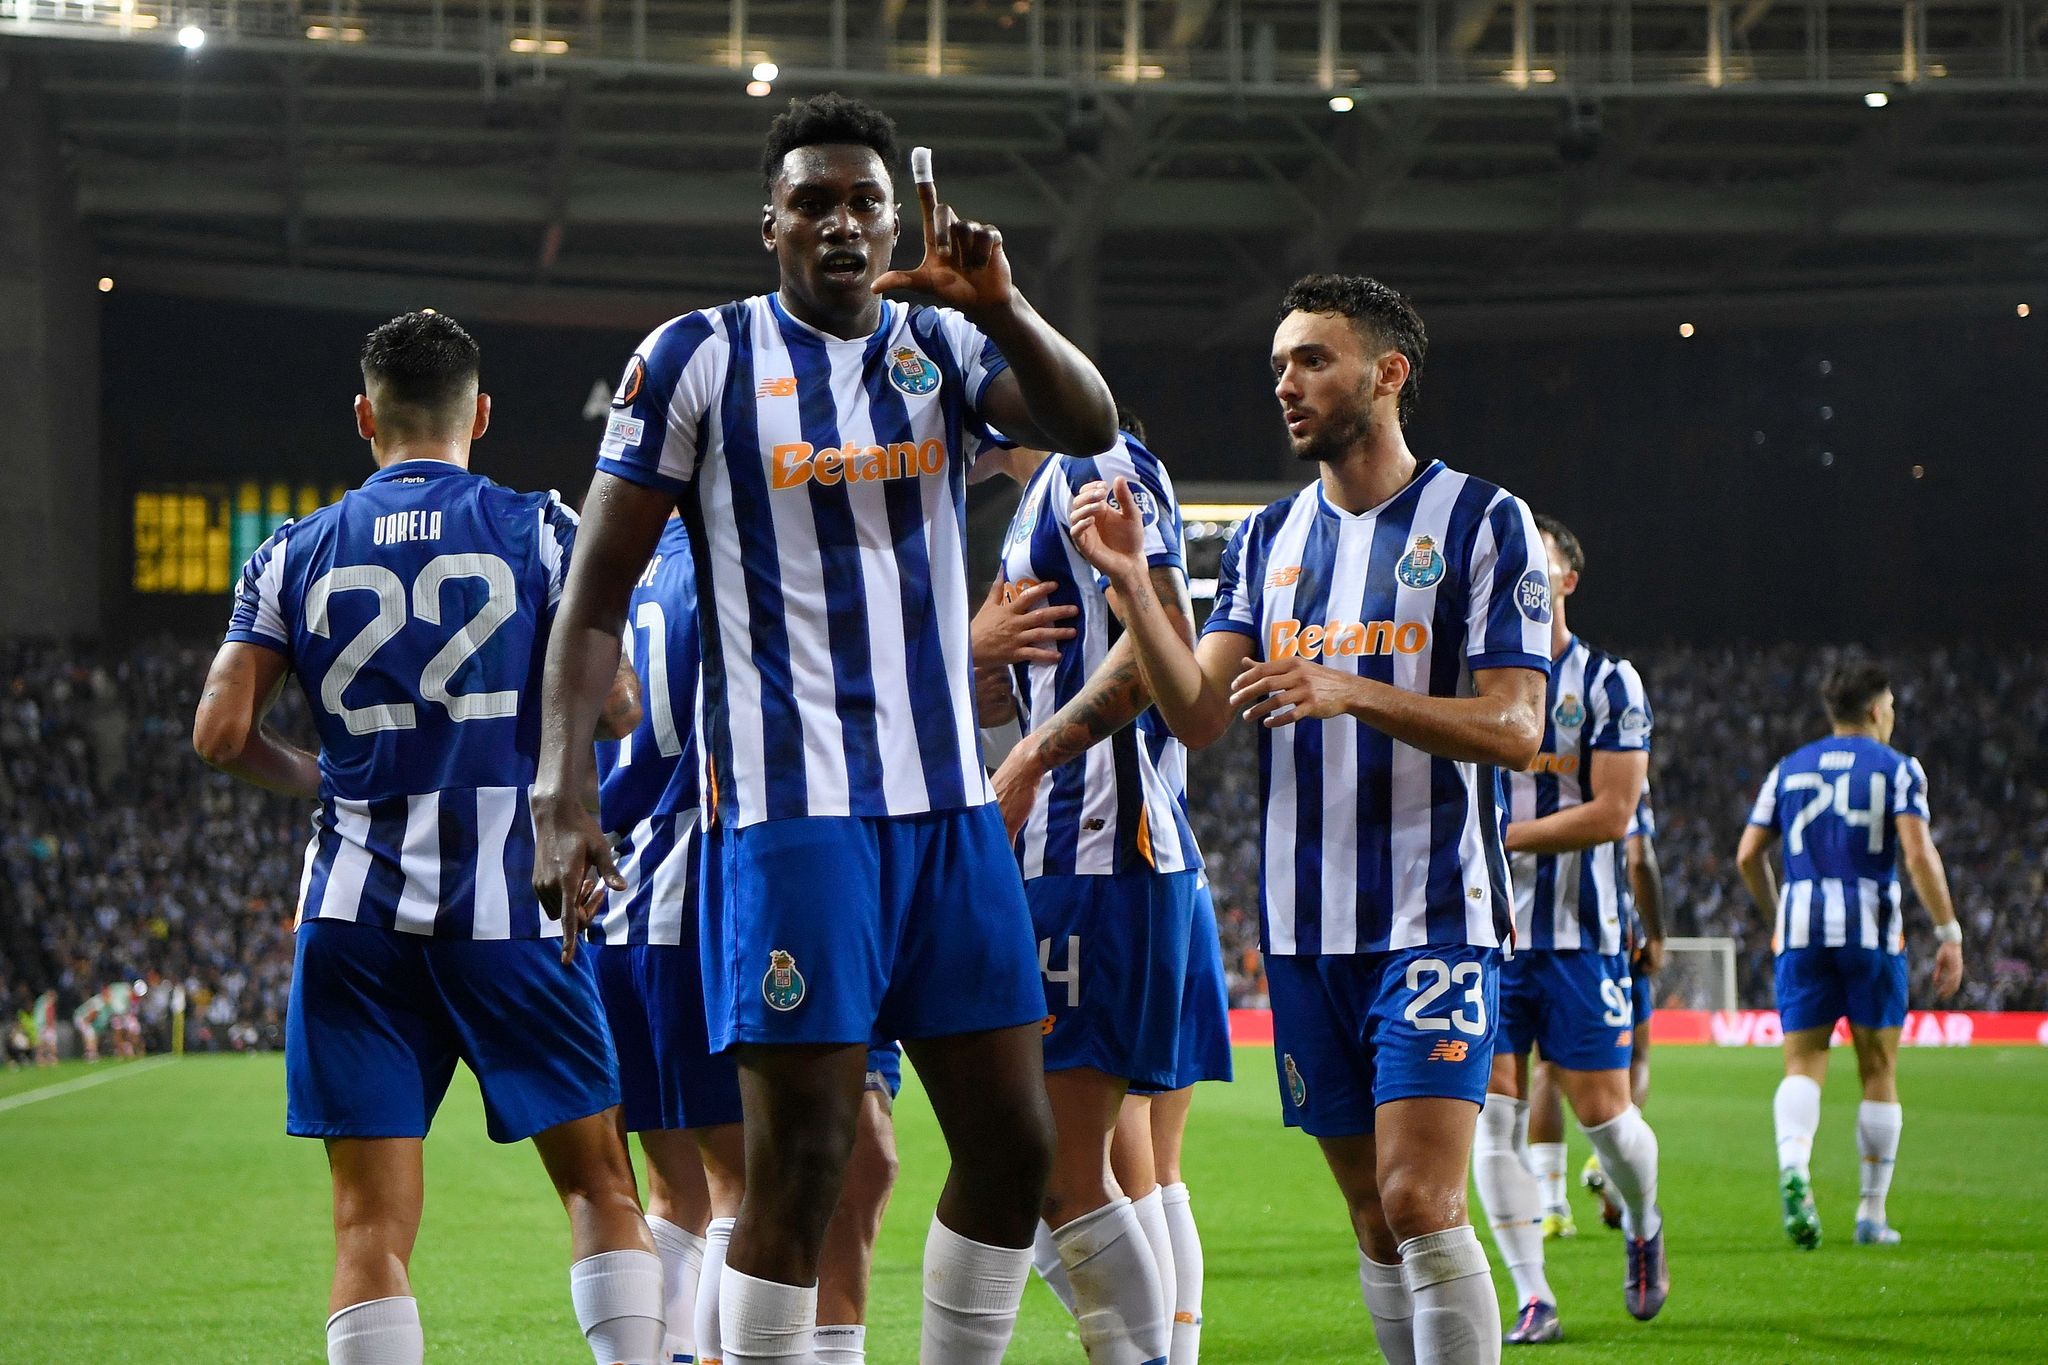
[(1976, 717), (123, 858)]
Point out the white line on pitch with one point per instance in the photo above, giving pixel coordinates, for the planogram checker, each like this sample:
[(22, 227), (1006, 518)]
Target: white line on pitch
[(51, 1092)]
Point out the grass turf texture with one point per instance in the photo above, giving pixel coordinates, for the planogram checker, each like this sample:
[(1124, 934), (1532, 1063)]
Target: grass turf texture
[(167, 1213)]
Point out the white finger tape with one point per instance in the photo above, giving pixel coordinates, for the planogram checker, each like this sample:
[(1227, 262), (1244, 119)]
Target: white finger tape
[(921, 165)]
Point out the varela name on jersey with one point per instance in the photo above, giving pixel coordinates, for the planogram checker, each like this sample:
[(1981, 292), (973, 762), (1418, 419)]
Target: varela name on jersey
[(648, 787), (1836, 803), (1569, 901), (1120, 807), (415, 612), (1370, 844), (824, 486)]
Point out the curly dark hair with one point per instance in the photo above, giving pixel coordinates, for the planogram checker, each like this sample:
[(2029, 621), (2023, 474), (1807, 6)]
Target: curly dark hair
[(1126, 420), (1851, 687), (1383, 314), (1567, 543), (828, 119), (421, 360)]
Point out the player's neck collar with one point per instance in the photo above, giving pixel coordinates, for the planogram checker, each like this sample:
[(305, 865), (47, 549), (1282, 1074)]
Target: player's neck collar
[(424, 467), (1425, 471), (784, 314)]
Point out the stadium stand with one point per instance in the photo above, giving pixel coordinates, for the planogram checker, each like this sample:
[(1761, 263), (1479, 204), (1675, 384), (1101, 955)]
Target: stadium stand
[(123, 859)]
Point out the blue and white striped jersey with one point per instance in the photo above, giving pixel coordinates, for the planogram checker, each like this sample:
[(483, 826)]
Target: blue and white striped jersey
[(1837, 803), (1570, 901), (1117, 808), (1370, 844), (415, 612), (1643, 824), (824, 483), (648, 786)]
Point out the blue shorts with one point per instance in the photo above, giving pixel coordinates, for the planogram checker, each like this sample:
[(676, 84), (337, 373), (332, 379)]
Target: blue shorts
[(1643, 997), (845, 929), (1114, 954), (378, 1018), (1575, 1005), (654, 1000), (1204, 1051), (1354, 1032), (1817, 986)]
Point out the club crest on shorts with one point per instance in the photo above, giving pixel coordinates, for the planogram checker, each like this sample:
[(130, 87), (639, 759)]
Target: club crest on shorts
[(782, 985), (1569, 714), (1422, 566), (912, 373), (1297, 1088)]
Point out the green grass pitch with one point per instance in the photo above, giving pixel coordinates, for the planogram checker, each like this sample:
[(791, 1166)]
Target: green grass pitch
[(164, 1216)]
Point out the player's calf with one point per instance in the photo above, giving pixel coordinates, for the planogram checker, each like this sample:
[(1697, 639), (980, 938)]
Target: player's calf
[(615, 1279)]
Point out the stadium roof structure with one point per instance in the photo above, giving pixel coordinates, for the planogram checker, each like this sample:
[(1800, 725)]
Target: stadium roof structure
[(1160, 168)]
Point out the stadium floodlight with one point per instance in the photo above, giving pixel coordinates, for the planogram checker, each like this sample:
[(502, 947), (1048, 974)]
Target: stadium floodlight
[(107, 285), (766, 71), (759, 88), (1877, 99), (191, 37), (1685, 329), (1342, 104), (2023, 310)]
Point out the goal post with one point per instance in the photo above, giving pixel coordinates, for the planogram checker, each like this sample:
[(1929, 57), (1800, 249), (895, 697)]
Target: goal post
[(1699, 974)]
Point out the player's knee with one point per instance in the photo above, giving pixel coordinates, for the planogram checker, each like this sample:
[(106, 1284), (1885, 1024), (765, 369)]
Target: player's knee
[(1413, 1205), (870, 1176)]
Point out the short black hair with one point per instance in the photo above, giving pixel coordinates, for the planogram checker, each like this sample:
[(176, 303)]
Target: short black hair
[(421, 360), (1851, 687), (1126, 420), (1567, 543), (828, 119), (1379, 310)]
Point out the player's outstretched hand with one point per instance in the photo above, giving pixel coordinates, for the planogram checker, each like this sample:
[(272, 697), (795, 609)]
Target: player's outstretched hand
[(963, 266), (1108, 529), (1283, 691), (1019, 627), (1948, 969), (572, 868)]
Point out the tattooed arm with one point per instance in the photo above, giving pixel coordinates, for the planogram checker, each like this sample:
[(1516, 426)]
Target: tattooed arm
[(1114, 696)]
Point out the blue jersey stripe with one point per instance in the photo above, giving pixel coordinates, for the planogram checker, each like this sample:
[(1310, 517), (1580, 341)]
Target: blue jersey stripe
[(458, 839)]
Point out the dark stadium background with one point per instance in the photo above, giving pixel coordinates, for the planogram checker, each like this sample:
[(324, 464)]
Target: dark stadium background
[(1874, 483)]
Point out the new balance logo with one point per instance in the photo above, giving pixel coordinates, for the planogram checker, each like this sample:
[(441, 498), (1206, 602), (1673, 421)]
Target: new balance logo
[(1450, 1050), (781, 386), (1285, 578)]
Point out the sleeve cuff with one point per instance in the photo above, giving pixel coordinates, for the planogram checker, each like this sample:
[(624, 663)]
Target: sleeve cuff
[(1621, 746), (1509, 659), (1165, 559), (256, 637), (646, 478), (989, 371), (1216, 624)]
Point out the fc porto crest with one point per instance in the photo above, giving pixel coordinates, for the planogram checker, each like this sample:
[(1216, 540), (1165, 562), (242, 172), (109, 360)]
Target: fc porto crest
[(782, 985), (1297, 1088), (1569, 714), (1422, 566), (912, 373)]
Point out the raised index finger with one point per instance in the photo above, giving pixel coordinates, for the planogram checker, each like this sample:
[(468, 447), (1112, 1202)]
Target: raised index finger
[(927, 195)]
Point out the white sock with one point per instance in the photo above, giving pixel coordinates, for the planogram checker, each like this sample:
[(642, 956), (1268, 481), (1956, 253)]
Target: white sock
[(710, 1344), (1546, 1164), (1122, 1317), (840, 1343), (1151, 1211), (970, 1298), (1628, 1155), (1045, 1259), (762, 1320), (1877, 1141), (1392, 1308), (618, 1305), (376, 1332), (1514, 1209), (1457, 1317), (1522, 1136), (1187, 1275), (682, 1264), (1796, 1109)]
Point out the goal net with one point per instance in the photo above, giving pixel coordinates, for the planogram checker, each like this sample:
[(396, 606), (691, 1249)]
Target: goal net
[(1699, 974)]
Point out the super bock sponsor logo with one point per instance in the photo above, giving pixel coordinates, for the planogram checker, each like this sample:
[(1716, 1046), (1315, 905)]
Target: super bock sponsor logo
[(1532, 596)]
